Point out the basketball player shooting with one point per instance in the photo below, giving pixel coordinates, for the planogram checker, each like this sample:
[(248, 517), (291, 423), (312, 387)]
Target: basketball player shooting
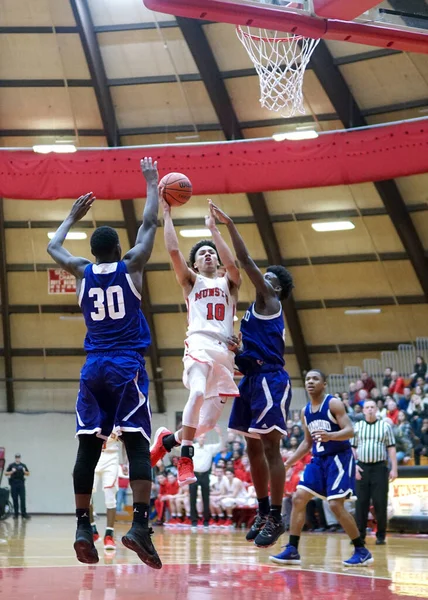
[(330, 474), (260, 412), (208, 363), (113, 394)]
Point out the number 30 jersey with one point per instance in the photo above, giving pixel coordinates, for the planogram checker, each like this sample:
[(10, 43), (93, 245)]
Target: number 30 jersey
[(110, 304), (211, 308)]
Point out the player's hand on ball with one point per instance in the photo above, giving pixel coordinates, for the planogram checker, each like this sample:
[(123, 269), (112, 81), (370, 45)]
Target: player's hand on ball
[(321, 436), (150, 169), (219, 214), (81, 206), (165, 206)]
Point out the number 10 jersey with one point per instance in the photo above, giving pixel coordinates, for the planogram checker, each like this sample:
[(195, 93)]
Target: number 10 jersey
[(211, 308), (110, 304)]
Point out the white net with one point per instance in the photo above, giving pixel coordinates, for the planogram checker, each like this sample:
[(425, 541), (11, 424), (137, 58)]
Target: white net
[(280, 64)]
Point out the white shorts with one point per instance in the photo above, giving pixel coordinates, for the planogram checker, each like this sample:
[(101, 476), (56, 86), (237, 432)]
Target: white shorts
[(204, 349), (107, 476)]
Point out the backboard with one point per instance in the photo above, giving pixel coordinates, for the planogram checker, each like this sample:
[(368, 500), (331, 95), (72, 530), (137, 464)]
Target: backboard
[(396, 24)]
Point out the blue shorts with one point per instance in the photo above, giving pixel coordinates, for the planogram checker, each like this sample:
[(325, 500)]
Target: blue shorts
[(331, 476), (113, 395), (263, 403)]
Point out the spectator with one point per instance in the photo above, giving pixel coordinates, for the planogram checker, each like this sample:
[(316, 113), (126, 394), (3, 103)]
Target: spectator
[(403, 438), (224, 454), (362, 396), (289, 425), (17, 472), (162, 491), (296, 417), (202, 460), (375, 394), (215, 497), (368, 382), (171, 496), (417, 411), (419, 370), (403, 402), (381, 410), (387, 379), (123, 479), (231, 490), (392, 410), (297, 432), (421, 448), (357, 415), (221, 462), (385, 391), (397, 385), (352, 393)]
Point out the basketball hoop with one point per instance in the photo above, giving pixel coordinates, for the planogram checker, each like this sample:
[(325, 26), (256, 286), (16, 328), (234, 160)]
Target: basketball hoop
[(280, 64)]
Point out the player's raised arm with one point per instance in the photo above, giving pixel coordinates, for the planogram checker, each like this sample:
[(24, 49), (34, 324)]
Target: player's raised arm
[(72, 264), (223, 249), (304, 447), (256, 276), (138, 256), (185, 276)]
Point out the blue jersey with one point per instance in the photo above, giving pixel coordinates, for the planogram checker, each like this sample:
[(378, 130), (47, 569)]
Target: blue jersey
[(263, 337), (323, 420), (111, 307)]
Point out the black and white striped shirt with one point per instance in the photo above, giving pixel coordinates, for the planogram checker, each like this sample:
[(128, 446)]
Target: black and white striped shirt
[(372, 440)]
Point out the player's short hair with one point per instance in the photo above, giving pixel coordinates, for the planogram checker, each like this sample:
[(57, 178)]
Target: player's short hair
[(322, 375), (198, 245), (285, 280), (104, 240)]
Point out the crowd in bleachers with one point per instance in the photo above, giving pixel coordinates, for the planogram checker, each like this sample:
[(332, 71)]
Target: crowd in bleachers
[(402, 402)]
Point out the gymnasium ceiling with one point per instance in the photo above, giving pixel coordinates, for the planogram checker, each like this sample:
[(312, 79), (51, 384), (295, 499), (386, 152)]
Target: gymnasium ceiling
[(169, 81)]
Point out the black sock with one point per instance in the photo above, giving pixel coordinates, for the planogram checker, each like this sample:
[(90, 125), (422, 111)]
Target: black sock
[(275, 512), (187, 451), (264, 506), (141, 513), (294, 541), (82, 516), (109, 531), (358, 542), (169, 442)]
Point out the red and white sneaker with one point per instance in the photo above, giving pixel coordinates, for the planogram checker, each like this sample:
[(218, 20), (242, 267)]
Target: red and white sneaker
[(228, 523), (109, 543), (187, 522), (186, 474), (96, 537), (157, 450)]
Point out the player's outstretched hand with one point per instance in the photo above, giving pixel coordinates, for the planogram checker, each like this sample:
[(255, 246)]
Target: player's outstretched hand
[(234, 343), (150, 169), (210, 218), (221, 216), (165, 206), (81, 206)]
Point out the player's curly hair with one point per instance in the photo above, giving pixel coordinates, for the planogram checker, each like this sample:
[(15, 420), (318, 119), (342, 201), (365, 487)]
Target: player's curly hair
[(104, 240), (320, 373), (196, 247), (285, 280)]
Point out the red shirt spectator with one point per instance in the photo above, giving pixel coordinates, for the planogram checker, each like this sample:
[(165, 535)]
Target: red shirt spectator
[(392, 412), (397, 384), (368, 382), (171, 488)]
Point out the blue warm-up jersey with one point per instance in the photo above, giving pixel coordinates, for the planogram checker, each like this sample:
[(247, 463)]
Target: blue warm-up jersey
[(323, 420), (111, 307), (263, 337)]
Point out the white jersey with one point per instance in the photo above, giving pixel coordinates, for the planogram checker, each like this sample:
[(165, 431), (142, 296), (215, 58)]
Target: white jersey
[(109, 453), (211, 308)]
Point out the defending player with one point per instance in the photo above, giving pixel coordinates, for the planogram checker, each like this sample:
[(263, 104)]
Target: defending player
[(260, 413), (113, 394), (330, 474), (208, 363)]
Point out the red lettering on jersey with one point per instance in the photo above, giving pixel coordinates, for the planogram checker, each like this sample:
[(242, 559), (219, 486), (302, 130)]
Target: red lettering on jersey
[(212, 292)]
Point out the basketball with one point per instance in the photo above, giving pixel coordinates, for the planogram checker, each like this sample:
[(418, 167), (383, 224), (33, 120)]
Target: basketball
[(177, 189)]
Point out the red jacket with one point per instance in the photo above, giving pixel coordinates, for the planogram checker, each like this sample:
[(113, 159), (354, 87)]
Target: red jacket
[(397, 386)]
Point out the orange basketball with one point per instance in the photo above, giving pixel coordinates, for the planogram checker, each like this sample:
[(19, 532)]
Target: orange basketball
[(177, 188)]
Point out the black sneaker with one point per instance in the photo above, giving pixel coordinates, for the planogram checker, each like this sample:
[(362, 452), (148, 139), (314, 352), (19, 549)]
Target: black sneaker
[(256, 527), (270, 533), (138, 539), (84, 546)]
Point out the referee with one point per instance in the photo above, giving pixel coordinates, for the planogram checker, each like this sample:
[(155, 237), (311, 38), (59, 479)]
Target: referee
[(373, 444)]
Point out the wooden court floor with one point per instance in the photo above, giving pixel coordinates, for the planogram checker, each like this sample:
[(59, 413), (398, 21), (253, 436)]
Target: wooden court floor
[(37, 562)]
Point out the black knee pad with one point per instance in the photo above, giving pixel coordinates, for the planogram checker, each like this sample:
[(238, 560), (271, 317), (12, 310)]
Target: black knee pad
[(138, 451), (88, 455)]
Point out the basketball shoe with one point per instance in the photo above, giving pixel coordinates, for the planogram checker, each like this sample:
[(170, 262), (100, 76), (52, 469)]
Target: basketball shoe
[(109, 543), (289, 556), (361, 558), (256, 527), (186, 474), (270, 533), (139, 540), (84, 545), (158, 450)]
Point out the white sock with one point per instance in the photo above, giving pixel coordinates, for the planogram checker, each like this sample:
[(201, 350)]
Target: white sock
[(187, 443)]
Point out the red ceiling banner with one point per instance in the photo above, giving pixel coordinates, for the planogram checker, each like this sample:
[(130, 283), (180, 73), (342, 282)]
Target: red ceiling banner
[(336, 158)]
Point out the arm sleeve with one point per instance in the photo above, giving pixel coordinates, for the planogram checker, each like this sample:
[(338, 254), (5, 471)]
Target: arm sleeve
[(389, 435)]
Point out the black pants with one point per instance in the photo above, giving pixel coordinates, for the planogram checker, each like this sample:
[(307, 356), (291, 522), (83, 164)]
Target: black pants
[(17, 489), (373, 486), (203, 479)]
